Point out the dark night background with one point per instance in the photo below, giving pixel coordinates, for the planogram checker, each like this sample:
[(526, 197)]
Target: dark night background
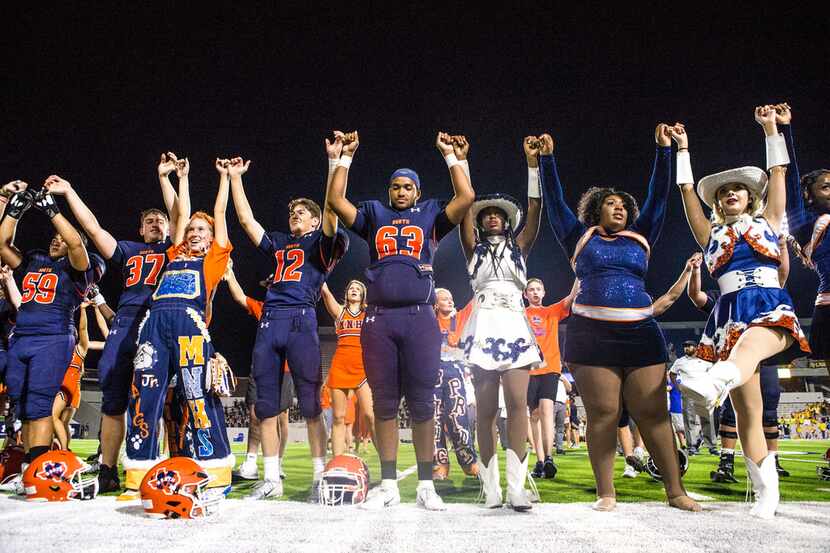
[(95, 96)]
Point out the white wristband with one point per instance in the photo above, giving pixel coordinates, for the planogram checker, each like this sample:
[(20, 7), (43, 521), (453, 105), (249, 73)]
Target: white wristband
[(684, 169), (98, 300), (534, 188), (345, 161), (451, 161), (466, 166), (777, 151)]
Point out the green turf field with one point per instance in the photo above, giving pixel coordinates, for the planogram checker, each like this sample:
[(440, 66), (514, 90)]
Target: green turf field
[(574, 481)]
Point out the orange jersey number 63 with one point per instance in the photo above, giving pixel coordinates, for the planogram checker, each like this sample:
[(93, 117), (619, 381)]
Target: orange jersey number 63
[(386, 241)]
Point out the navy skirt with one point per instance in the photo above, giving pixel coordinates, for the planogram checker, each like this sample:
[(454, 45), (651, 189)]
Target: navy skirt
[(613, 344)]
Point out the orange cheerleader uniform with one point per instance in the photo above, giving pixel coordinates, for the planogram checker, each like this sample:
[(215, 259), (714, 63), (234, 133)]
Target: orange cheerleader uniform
[(347, 372), (71, 385)]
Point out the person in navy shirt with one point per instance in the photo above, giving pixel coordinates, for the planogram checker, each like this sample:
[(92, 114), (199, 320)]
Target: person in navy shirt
[(400, 338), (53, 284), (140, 265), (288, 327)]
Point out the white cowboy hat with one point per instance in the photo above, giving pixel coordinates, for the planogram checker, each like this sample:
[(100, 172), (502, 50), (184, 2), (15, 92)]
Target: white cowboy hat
[(502, 201), (754, 178)]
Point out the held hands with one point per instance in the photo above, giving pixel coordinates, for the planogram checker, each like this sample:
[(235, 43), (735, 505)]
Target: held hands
[(694, 262), (44, 201), (11, 188), (238, 167), (460, 146), (20, 203), (222, 166), (444, 143), (532, 146), (783, 113), (335, 147), (56, 185), (167, 164), (351, 140), (678, 134), (547, 144), (766, 117), (661, 135)]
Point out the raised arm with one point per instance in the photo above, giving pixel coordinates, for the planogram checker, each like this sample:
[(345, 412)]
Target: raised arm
[(784, 265), (103, 240), (562, 220), (336, 191), (672, 294), (220, 206), (777, 161), (17, 206), (798, 220), (44, 201), (7, 191), (251, 226), (83, 329), (183, 203), (466, 230), (533, 147), (693, 290), (464, 195), (569, 299), (698, 222), (10, 286), (653, 213), (333, 150), (101, 320), (332, 305), (101, 308), (237, 293), (167, 164)]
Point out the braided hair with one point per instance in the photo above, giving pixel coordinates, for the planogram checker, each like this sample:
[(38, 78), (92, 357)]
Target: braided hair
[(485, 248)]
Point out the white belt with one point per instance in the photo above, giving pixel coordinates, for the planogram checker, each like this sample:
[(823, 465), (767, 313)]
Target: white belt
[(613, 314), (495, 299), (761, 277)]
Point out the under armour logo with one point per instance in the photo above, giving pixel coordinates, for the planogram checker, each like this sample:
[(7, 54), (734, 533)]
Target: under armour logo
[(264, 324), (114, 331), (415, 209), (370, 319)]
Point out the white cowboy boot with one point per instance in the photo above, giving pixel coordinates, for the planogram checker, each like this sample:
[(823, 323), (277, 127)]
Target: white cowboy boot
[(516, 476), (708, 389), (765, 485), (488, 475)]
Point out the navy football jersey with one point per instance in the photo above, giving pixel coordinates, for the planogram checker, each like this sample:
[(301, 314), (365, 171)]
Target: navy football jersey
[(401, 247), (302, 265), (51, 290), (141, 265)]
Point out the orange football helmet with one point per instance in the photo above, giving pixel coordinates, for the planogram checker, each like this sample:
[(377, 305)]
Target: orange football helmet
[(58, 476), (345, 481), (176, 488), (11, 461)]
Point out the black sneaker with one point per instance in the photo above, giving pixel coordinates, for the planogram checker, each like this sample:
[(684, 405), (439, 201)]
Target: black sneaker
[(635, 463), (726, 470), (779, 469), (108, 479), (560, 451), (538, 470), (549, 468), (714, 451)]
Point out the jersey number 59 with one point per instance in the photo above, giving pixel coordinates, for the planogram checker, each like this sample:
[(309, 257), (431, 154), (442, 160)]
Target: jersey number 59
[(39, 287), (386, 241)]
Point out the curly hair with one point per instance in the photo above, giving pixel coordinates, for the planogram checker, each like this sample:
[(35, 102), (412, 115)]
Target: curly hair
[(590, 205), (807, 182)]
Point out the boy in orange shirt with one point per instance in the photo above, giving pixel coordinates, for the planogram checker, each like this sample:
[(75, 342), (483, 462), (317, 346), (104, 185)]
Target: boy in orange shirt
[(544, 381)]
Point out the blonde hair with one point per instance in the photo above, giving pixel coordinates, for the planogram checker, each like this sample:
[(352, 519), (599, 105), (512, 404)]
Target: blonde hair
[(754, 205), (362, 291)]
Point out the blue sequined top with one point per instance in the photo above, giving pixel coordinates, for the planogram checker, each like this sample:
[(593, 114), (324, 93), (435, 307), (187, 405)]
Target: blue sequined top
[(802, 219), (611, 273)]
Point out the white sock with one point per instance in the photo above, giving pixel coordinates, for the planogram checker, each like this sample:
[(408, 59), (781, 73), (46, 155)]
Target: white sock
[(251, 458), (388, 484), (426, 485), (639, 452), (272, 468), (727, 451), (318, 464)]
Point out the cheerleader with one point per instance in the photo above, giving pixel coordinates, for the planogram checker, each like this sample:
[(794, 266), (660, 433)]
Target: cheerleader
[(497, 339), (347, 372), (613, 346), (753, 319)]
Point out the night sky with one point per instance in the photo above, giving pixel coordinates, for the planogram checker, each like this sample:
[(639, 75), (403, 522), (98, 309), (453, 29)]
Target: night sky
[(95, 96)]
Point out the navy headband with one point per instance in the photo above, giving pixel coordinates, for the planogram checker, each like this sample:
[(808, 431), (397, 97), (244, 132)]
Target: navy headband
[(408, 173)]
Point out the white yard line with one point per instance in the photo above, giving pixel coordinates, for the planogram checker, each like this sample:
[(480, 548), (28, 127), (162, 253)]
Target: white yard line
[(407, 472), (699, 496)]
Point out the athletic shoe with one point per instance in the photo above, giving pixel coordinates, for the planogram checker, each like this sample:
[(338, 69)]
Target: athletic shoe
[(108, 479), (560, 451), (314, 496), (630, 472), (538, 470), (429, 499), (14, 485), (549, 468), (247, 471), (726, 470), (714, 451), (381, 497), (94, 462), (129, 495), (779, 469), (634, 462), (691, 451), (265, 489)]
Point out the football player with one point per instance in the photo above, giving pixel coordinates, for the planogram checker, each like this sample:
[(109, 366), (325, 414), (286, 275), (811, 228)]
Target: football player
[(140, 264), (288, 328), (400, 336), (53, 284)]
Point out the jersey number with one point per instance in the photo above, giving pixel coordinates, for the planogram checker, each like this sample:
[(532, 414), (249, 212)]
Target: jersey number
[(135, 264), (295, 259), (40, 287), (386, 241)]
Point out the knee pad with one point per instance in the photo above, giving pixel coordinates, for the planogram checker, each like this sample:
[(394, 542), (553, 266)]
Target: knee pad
[(421, 411), (770, 418), (727, 415), (771, 435), (729, 434)]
